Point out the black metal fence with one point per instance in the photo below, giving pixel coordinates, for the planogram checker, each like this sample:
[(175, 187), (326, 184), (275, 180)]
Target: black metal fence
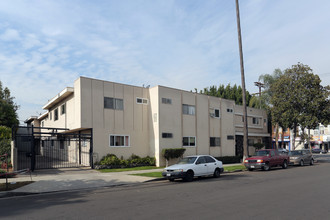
[(45, 148)]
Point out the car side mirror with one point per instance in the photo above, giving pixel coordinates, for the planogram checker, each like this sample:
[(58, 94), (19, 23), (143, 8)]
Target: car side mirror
[(197, 162)]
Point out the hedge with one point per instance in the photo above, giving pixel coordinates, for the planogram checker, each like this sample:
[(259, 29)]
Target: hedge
[(230, 159), (112, 161)]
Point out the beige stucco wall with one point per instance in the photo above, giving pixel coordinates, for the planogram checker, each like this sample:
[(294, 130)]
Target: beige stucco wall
[(145, 123), (132, 121)]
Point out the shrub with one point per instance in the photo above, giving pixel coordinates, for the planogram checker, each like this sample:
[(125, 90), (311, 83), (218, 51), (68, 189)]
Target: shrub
[(258, 146), (112, 161), (171, 153), (5, 147)]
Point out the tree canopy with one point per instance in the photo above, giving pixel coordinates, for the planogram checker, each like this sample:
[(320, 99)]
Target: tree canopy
[(228, 92), (298, 98), (8, 108)]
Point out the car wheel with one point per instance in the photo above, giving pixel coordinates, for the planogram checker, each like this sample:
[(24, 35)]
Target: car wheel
[(301, 163), (266, 167), (216, 173), (189, 176), (312, 162), (250, 169), (285, 165)]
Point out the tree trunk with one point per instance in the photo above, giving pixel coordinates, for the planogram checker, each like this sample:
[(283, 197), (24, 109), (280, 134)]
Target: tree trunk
[(276, 136), (294, 138), (282, 137), (309, 140)]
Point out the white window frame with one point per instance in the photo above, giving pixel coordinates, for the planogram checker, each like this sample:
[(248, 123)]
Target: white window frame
[(188, 141), (143, 101), (191, 109), (115, 103), (118, 135), (215, 138)]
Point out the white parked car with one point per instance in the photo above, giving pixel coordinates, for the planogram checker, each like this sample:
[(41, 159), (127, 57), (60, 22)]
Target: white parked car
[(192, 166)]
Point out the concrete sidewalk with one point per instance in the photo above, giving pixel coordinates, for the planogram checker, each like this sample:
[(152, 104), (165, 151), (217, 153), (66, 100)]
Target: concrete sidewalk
[(66, 179)]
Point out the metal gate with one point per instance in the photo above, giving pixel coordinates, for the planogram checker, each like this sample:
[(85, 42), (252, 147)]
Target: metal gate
[(46, 148)]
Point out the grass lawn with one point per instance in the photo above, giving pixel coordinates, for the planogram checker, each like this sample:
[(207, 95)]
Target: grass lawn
[(234, 168), (159, 174), (153, 174), (12, 186), (128, 169)]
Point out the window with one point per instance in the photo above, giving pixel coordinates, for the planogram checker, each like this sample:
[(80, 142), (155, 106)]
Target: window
[(113, 103), (189, 141), (50, 115), (255, 121), (42, 123), (214, 141), (63, 109), (167, 135), (201, 160), (250, 142), (230, 137), (188, 109), (229, 110), (142, 101), (56, 114), (119, 141), (166, 101), (217, 113), (209, 159)]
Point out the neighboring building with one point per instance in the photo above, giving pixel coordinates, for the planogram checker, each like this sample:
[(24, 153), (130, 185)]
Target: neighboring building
[(319, 138), (128, 120), (283, 138)]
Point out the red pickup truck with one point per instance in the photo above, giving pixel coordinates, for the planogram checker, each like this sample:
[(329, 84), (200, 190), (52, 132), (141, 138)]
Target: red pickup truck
[(265, 159)]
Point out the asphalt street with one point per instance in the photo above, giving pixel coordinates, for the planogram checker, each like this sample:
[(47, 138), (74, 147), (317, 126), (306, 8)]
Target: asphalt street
[(294, 193)]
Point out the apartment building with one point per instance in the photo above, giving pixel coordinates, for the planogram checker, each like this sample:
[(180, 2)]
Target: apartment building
[(128, 120)]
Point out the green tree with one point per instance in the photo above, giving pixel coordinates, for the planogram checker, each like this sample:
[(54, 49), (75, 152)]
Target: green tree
[(8, 108), (264, 101), (298, 98), (5, 138), (228, 92)]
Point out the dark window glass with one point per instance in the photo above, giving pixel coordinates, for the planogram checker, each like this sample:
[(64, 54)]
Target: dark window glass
[(201, 160), (56, 114), (217, 113), (167, 135), (63, 109), (209, 159), (108, 103), (230, 137), (214, 141)]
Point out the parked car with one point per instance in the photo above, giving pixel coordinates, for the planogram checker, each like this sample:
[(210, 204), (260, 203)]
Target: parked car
[(193, 166), (301, 157), (265, 159), (283, 151), (316, 150)]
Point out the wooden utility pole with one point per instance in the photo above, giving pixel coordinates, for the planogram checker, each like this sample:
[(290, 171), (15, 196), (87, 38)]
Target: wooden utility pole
[(245, 126)]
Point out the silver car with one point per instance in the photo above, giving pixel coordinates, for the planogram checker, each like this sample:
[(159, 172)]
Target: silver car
[(301, 157)]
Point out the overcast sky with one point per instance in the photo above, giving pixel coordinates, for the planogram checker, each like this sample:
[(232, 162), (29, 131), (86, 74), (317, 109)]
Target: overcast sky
[(45, 45)]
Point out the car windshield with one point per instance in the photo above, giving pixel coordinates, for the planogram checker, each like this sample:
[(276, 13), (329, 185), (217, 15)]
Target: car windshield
[(187, 160), (262, 153), (295, 153)]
